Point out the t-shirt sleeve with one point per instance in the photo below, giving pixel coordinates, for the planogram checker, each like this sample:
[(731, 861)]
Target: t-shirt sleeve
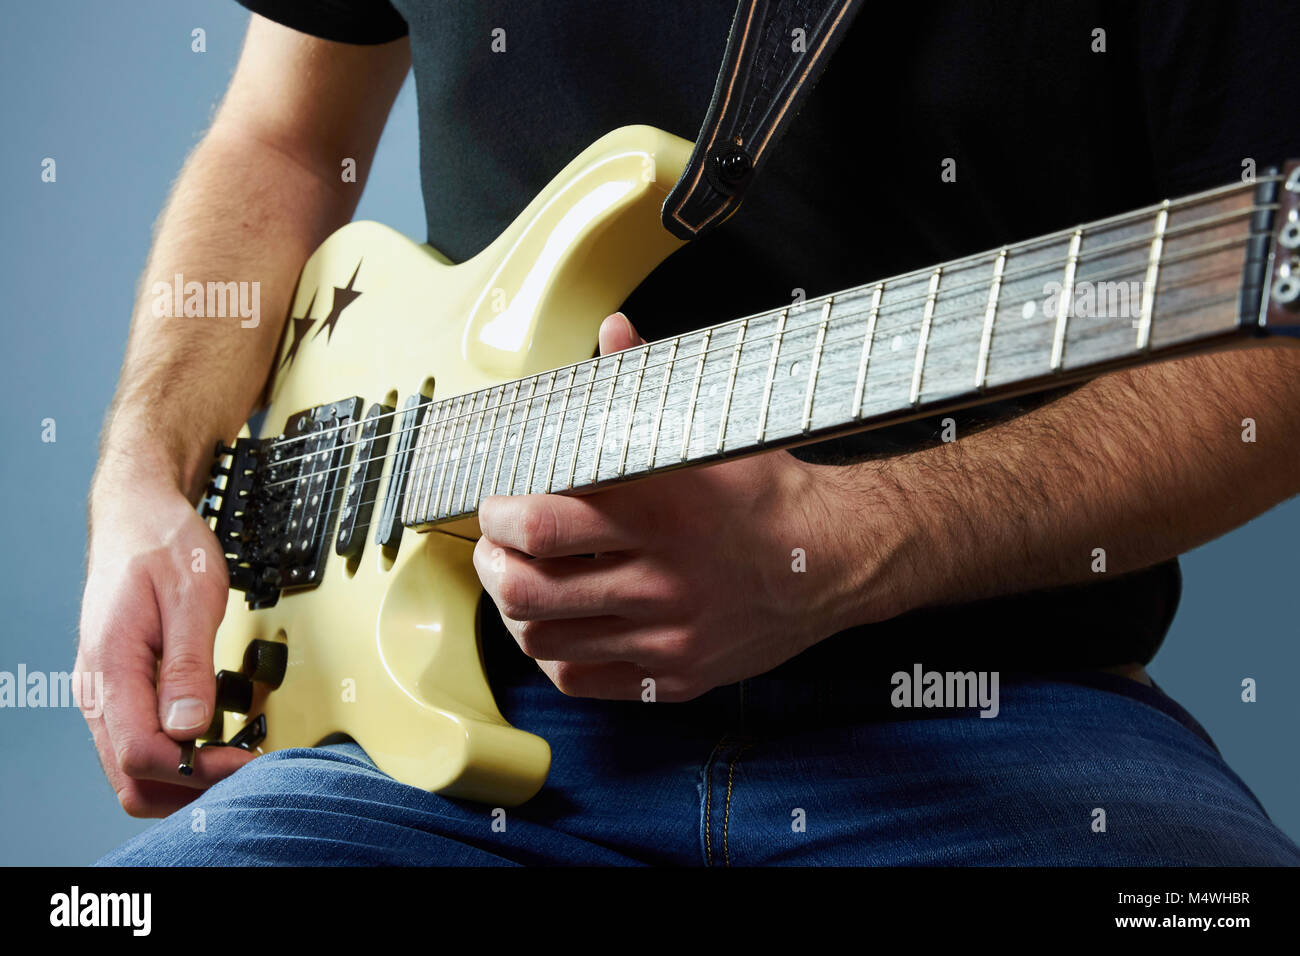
[(344, 21)]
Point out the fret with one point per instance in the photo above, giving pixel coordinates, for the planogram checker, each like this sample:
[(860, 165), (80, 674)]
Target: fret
[(423, 456), (457, 451), (419, 442), (428, 461), (990, 313), (396, 511), (487, 449), (1065, 306), (923, 339), (442, 456), (746, 389), (897, 340), (951, 346), (559, 428), (816, 364), (1107, 294), (1198, 277), (419, 419), (505, 436), (695, 392), (771, 375), (441, 464), (631, 413), (659, 408), (731, 384), (1023, 323), (519, 440), (582, 421), (859, 388), (604, 418), (477, 432), (541, 430), (1152, 277)]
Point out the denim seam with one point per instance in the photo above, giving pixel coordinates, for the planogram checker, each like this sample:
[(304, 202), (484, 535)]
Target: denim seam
[(726, 818), (708, 802)]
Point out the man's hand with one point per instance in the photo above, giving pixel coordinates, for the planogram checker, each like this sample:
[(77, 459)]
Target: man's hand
[(155, 593), (695, 580), (259, 193)]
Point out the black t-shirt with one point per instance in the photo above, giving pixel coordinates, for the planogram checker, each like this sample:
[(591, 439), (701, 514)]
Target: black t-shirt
[(1046, 130)]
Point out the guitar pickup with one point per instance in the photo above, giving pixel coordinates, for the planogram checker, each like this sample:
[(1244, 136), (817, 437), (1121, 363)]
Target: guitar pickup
[(363, 486), (388, 534)]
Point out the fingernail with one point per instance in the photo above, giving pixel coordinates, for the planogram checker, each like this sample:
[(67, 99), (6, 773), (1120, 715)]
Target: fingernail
[(631, 332), (187, 713)]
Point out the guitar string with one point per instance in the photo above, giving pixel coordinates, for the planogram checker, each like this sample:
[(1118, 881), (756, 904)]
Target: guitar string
[(328, 516), (474, 454), (432, 408), (893, 310), (452, 515), (1021, 249), (891, 381), (431, 451)]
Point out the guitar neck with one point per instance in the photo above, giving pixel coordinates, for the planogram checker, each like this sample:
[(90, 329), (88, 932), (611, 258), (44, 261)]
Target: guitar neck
[(1186, 275)]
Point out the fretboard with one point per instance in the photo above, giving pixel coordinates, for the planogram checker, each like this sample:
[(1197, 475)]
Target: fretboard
[(1116, 292)]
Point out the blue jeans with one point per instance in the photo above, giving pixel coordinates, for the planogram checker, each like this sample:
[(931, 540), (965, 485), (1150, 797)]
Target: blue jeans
[(781, 769)]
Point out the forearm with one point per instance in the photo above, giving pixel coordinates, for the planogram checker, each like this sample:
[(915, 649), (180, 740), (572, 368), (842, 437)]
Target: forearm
[(241, 211), (1143, 464)]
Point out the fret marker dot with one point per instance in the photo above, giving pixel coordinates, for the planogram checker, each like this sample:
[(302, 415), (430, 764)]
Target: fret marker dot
[(794, 369), (896, 344), (1029, 309)]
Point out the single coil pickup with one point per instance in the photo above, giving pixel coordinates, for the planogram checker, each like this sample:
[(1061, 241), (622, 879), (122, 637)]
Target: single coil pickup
[(388, 532)]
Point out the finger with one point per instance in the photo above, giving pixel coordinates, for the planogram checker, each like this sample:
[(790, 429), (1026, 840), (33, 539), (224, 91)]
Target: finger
[(528, 589), (547, 526), (141, 750), (189, 616), (617, 333), (594, 640), (612, 681), (139, 798)]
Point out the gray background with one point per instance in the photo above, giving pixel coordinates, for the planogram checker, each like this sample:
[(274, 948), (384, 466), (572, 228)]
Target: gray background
[(114, 94)]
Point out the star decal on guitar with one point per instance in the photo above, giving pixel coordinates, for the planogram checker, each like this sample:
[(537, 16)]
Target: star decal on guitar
[(342, 299), (300, 327)]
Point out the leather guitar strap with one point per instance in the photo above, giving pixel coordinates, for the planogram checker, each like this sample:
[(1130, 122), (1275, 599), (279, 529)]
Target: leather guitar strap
[(775, 52)]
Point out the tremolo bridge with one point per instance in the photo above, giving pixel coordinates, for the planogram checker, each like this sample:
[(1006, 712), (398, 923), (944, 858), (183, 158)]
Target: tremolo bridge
[(275, 510)]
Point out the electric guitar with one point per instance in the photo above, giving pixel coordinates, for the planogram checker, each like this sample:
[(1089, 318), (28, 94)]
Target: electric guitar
[(408, 388)]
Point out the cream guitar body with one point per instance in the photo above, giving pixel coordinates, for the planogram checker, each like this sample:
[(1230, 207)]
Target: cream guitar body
[(384, 647)]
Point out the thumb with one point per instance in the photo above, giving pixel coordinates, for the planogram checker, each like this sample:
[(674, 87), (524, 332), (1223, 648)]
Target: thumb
[(186, 688), (617, 333)]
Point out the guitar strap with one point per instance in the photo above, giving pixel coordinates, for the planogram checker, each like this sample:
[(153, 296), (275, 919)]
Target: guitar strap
[(775, 52)]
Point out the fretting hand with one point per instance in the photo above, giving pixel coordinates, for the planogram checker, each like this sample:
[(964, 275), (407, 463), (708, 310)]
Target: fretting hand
[(699, 578)]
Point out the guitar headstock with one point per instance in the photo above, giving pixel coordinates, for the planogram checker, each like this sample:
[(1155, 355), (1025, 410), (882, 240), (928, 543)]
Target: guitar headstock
[(1280, 306)]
